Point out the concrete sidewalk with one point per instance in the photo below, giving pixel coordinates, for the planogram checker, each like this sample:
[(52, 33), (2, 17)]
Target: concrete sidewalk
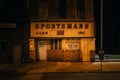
[(51, 67)]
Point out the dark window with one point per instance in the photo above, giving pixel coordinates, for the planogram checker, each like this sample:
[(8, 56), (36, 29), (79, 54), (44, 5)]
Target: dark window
[(56, 44), (81, 9), (62, 9), (52, 9), (60, 43), (51, 44)]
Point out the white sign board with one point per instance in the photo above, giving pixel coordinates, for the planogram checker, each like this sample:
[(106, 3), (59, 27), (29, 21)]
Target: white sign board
[(62, 29)]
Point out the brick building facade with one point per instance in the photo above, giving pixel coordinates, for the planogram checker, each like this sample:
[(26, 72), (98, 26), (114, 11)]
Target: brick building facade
[(61, 30)]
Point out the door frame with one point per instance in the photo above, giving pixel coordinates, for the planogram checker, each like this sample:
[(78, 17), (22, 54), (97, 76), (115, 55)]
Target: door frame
[(44, 43)]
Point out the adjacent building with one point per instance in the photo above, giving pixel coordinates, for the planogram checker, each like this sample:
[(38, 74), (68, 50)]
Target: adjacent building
[(11, 31)]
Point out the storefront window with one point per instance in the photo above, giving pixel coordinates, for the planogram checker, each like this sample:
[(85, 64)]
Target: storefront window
[(51, 44), (56, 44)]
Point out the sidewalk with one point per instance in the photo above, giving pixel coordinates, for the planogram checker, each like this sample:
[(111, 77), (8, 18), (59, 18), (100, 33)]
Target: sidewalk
[(51, 67)]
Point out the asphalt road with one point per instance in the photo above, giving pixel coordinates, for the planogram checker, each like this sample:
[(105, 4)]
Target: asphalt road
[(61, 76)]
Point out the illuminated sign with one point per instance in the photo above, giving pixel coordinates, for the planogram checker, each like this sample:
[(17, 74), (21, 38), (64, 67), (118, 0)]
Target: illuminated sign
[(62, 29), (61, 26)]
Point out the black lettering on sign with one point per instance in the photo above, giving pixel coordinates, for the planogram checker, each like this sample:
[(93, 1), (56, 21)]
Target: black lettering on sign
[(53, 26), (80, 26), (41, 33), (63, 26), (42, 25), (81, 32), (48, 26), (69, 26), (37, 26), (37, 32), (75, 26), (58, 26), (46, 33)]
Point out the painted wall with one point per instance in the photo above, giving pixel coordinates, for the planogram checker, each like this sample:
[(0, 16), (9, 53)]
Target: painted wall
[(87, 45), (32, 54)]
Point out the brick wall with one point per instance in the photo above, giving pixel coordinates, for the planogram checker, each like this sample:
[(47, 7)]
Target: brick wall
[(72, 55), (55, 55), (60, 55), (92, 55)]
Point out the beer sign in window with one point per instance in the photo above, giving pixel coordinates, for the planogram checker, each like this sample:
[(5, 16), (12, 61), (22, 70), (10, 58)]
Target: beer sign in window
[(73, 46)]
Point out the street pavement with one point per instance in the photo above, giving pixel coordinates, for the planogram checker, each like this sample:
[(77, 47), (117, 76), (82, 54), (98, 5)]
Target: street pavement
[(60, 67), (47, 70), (62, 76)]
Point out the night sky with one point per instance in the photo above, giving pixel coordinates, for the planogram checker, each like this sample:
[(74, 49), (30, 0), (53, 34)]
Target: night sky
[(111, 22)]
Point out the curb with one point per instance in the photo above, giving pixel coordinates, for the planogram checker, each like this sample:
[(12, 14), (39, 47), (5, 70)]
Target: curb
[(10, 72)]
